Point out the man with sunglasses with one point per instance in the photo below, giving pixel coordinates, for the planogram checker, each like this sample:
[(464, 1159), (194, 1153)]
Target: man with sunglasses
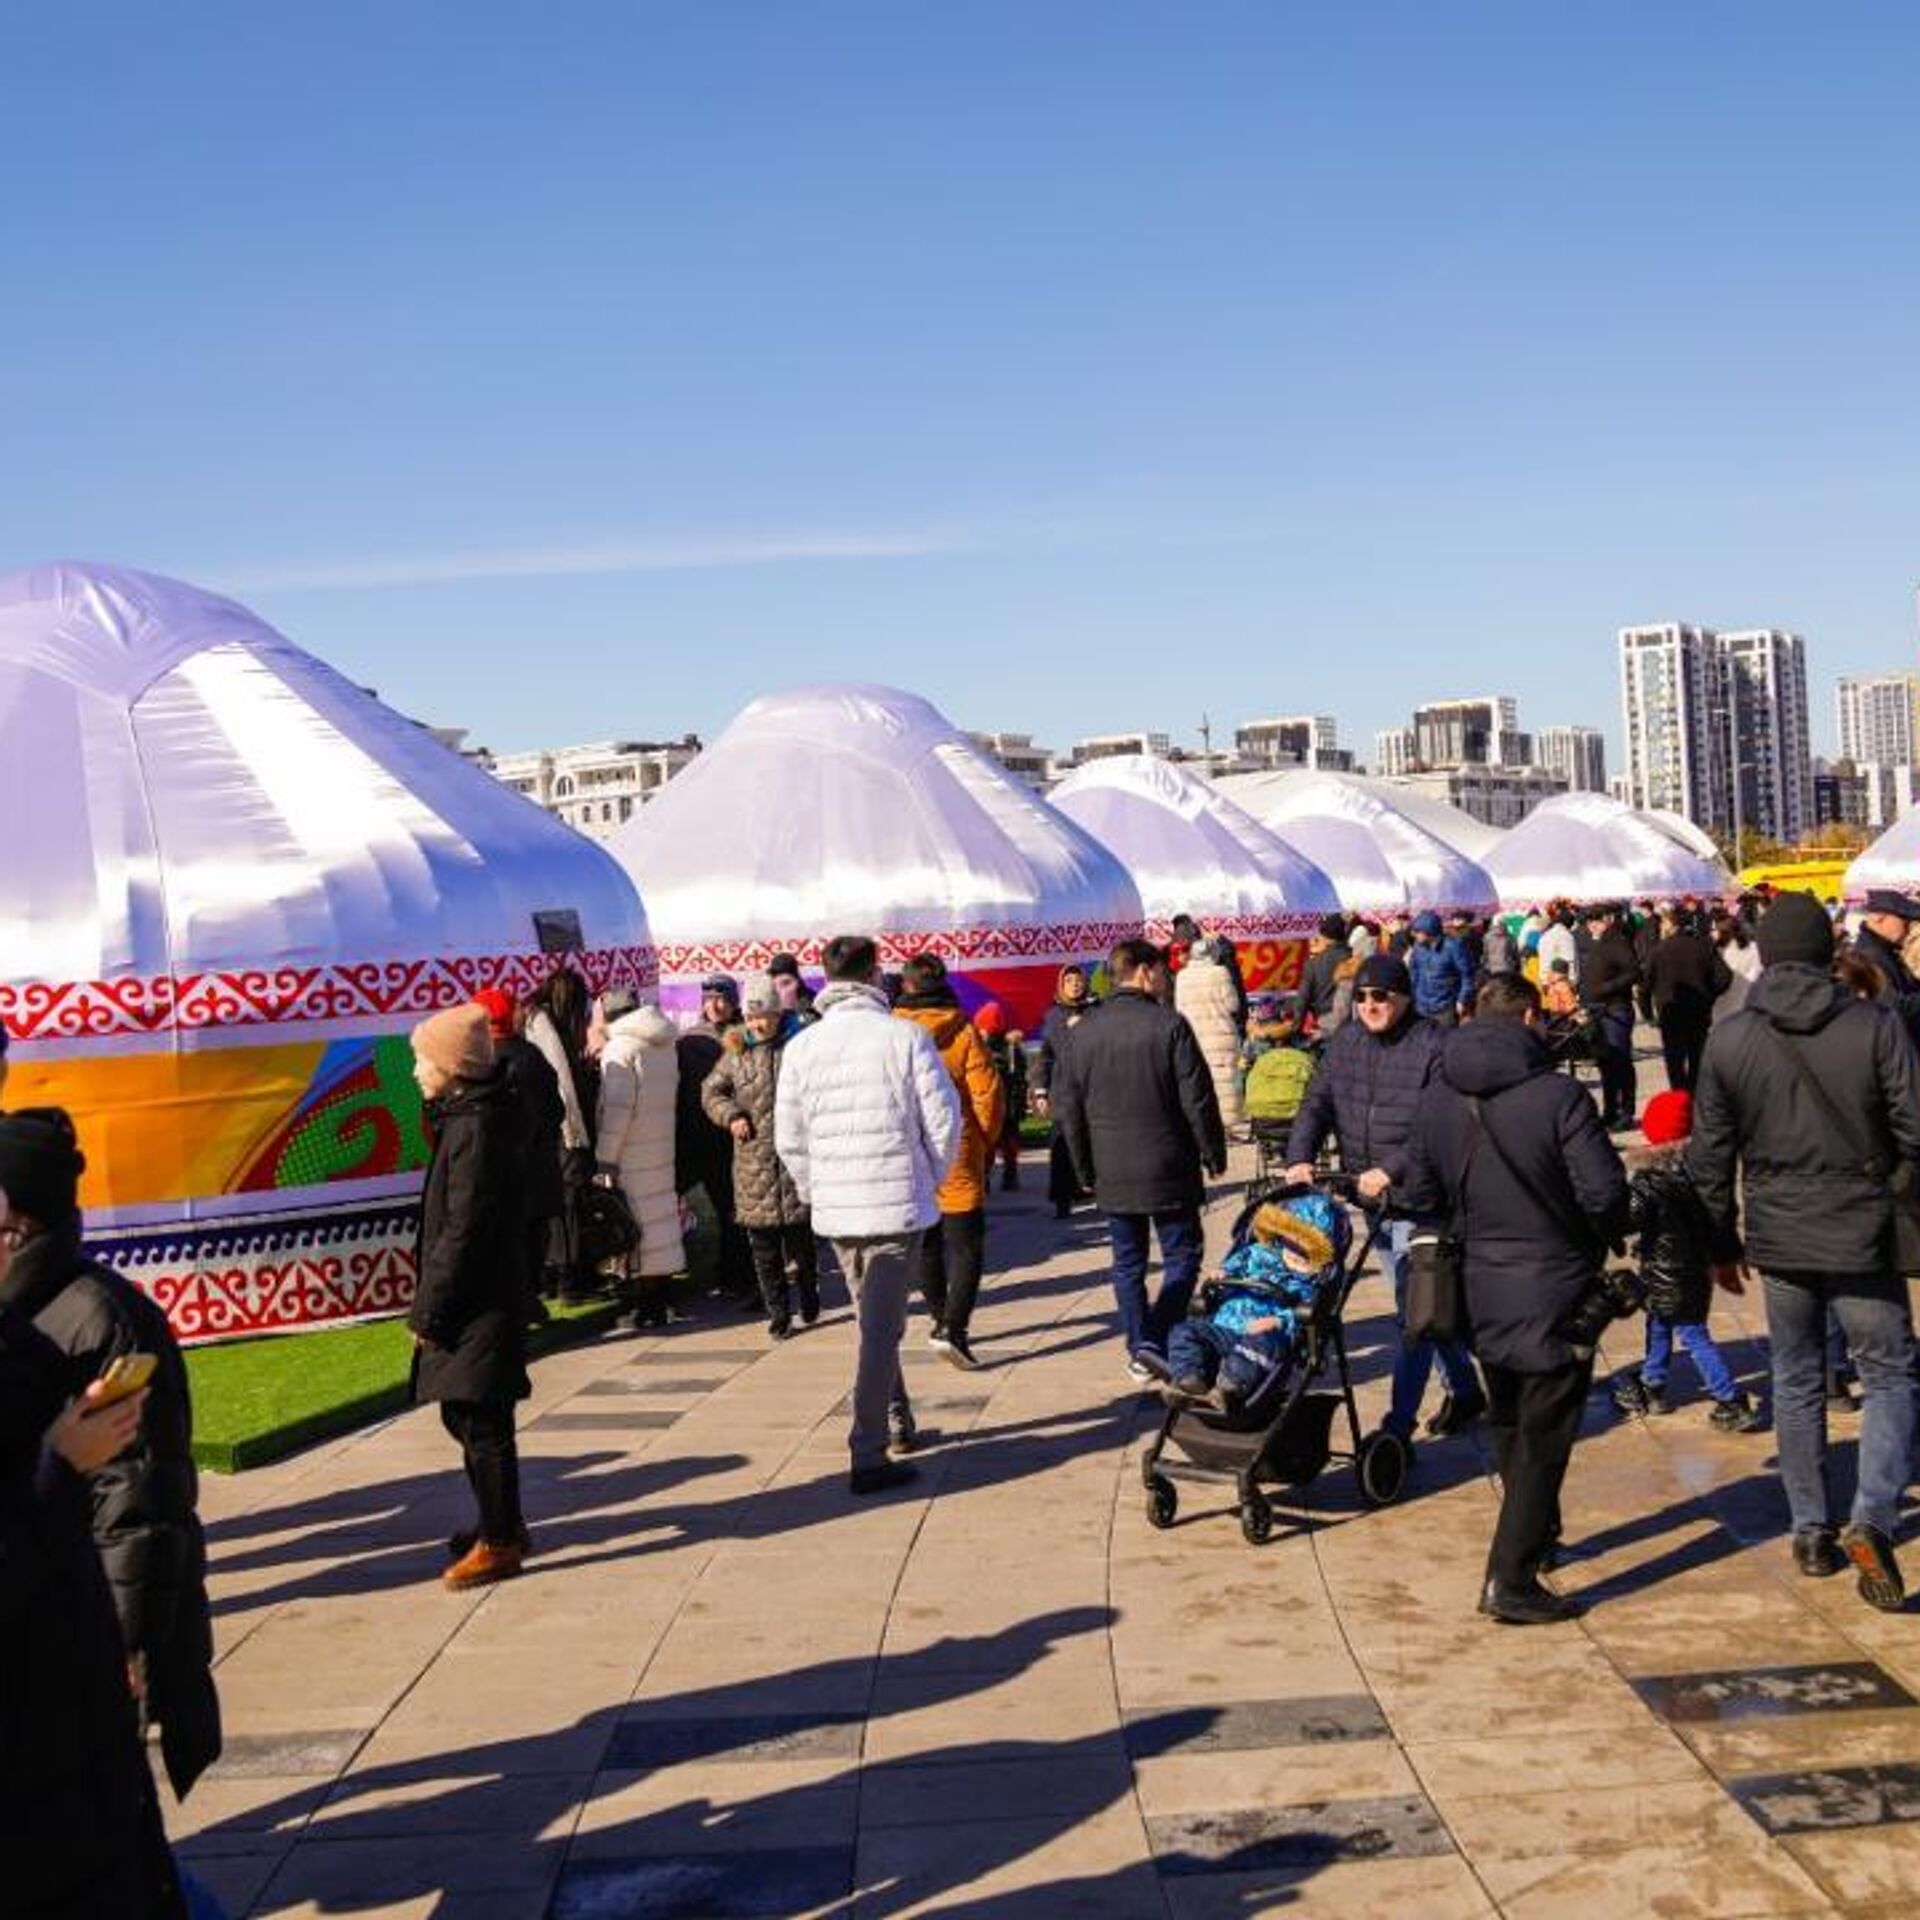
[(1366, 1094)]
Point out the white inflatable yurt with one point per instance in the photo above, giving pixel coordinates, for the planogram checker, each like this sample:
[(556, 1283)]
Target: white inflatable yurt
[(236, 881), (860, 809), (1892, 861), (1586, 846), (1191, 850), (1380, 860)]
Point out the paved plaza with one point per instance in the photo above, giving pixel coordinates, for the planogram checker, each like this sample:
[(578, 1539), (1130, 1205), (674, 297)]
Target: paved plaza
[(726, 1688)]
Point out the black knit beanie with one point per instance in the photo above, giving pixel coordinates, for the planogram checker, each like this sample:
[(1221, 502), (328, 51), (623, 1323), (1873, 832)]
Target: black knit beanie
[(40, 1164), (1795, 930)]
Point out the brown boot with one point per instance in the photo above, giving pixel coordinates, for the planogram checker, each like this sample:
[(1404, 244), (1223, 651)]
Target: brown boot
[(482, 1564)]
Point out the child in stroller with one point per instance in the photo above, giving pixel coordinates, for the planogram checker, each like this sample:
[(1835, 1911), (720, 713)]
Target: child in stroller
[(1275, 1067), (1249, 1317)]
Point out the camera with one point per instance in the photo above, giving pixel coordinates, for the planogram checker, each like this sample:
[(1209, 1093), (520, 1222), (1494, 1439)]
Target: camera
[(1615, 1293)]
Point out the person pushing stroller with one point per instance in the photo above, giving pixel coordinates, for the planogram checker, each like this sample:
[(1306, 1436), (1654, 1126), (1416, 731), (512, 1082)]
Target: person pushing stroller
[(1249, 1317)]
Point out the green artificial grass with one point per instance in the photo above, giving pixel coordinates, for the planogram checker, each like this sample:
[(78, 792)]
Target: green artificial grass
[(1035, 1131), (259, 1400)]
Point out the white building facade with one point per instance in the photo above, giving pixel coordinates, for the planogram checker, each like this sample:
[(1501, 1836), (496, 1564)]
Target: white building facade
[(1877, 719), (1019, 755), (1577, 754), (597, 787)]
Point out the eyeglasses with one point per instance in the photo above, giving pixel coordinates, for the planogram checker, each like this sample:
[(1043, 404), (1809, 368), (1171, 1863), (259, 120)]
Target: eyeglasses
[(1373, 996)]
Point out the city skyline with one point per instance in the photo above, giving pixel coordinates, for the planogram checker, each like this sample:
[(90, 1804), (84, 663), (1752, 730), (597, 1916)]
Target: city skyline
[(1083, 368)]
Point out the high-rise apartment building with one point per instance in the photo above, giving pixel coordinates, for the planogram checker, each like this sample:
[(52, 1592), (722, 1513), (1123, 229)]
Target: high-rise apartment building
[(1577, 754), (1294, 740), (1766, 687), (1877, 719), (1699, 705), (1470, 733), (1393, 751)]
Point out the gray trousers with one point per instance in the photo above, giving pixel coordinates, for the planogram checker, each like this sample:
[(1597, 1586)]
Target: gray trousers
[(879, 1274)]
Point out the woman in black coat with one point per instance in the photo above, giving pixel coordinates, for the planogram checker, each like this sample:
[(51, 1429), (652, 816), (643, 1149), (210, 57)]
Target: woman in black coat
[(1072, 1002), (145, 1500), (80, 1832), (468, 1335)]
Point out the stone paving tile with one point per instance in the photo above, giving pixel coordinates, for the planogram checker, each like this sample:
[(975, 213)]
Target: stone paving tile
[(621, 1420), (1418, 1889), (313, 1755), (1750, 1693), (1246, 1724), (1871, 1864), (795, 1881), (1832, 1797), (906, 1793), (1796, 1744), (406, 1875), (1298, 1839), (646, 1383), (755, 1806), (643, 1742)]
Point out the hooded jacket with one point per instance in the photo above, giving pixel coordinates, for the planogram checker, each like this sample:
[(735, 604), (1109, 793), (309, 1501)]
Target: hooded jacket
[(468, 1293), (1366, 1092), (145, 1502), (79, 1830), (744, 1085), (983, 1100), (1442, 971), (1813, 1205), (1532, 1247), (866, 1119), (638, 1131), (1205, 996), (1134, 1101)]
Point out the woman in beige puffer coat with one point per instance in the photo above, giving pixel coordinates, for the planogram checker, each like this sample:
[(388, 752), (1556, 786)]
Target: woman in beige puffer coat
[(1203, 993), (639, 1088)]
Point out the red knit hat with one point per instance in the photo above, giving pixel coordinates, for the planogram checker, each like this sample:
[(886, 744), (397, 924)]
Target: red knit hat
[(990, 1018), (1669, 1117), (497, 1004)]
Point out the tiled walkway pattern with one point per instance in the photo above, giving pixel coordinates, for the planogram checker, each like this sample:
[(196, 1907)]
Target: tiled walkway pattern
[(726, 1689)]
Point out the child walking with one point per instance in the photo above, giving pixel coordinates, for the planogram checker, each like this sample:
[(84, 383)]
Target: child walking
[(1680, 1257)]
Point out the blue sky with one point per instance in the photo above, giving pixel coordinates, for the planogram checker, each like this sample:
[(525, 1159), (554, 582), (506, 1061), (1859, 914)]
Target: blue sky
[(586, 370)]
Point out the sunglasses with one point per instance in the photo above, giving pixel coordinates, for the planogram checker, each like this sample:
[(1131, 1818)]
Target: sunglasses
[(1373, 996)]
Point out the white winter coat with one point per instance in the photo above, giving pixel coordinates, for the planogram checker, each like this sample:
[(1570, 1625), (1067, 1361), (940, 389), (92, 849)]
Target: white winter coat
[(1203, 993), (639, 1087), (546, 1036), (867, 1120), (1558, 943)]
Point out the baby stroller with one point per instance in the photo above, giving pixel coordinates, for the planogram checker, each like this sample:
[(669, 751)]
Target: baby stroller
[(1282, 1433)]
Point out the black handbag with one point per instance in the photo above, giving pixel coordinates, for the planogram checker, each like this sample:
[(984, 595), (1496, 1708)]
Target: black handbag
[(1899, 1177), (608, 1230), (1436, 1301)]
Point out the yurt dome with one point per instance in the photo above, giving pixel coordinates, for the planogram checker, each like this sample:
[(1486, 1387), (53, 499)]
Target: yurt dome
[(236, 881), (1189, 849), (1586, 846), (1380, 860), (860, 809), (1892, 861)]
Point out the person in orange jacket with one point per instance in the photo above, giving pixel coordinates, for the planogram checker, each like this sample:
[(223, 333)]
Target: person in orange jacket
[(953, 1250)]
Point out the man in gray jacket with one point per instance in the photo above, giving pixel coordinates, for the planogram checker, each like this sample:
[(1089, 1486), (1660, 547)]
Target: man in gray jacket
[(867, 1122), (1816, 1095)]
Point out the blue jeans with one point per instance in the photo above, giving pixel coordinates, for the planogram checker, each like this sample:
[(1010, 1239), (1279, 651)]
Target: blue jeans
[(1413, 1364), (1873, 1312), (1662, 1335), (1179, 1232)]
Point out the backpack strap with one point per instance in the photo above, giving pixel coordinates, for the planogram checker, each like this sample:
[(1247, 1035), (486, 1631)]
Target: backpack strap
[(1841, 1122), (1562, 1209)]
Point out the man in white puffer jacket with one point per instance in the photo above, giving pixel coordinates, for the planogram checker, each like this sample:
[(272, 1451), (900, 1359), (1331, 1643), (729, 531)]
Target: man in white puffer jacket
[(867, 1122)]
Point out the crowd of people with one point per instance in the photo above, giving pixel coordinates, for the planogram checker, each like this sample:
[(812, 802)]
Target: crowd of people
[(1437, 1062)]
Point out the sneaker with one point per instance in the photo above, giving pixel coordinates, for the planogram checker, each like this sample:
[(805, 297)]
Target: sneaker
[(902, 1435), (1738, 1415), (481, 1565), (1872, 1555), (781, 1329), (1458, 1411), (809, 1302), (1657, 1401), (1145, 1366), (960, 1353), (937, 1339), (1630, 1393), (1817, 1553), (883, 1478)]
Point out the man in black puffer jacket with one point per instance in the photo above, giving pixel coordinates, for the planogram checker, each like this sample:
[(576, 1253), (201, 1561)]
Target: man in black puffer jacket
[(1134, 1102), (1684, 976), (1816, 1095), (1516, 1154), (145, 1500), (1366, 1093), (1609, 978)]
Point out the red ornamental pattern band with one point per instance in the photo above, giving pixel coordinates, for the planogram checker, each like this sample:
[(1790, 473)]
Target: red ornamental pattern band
[(287, 996), (957, 946), (1243, 926)]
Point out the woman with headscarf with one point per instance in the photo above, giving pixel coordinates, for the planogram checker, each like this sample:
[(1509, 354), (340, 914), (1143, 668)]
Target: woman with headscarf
[(1073, 1000), (557, 1024)]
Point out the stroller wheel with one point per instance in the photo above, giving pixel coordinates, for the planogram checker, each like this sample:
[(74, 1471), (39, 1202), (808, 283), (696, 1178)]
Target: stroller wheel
[(1256, 1518), (1163, 1502), (1381, 1468)]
